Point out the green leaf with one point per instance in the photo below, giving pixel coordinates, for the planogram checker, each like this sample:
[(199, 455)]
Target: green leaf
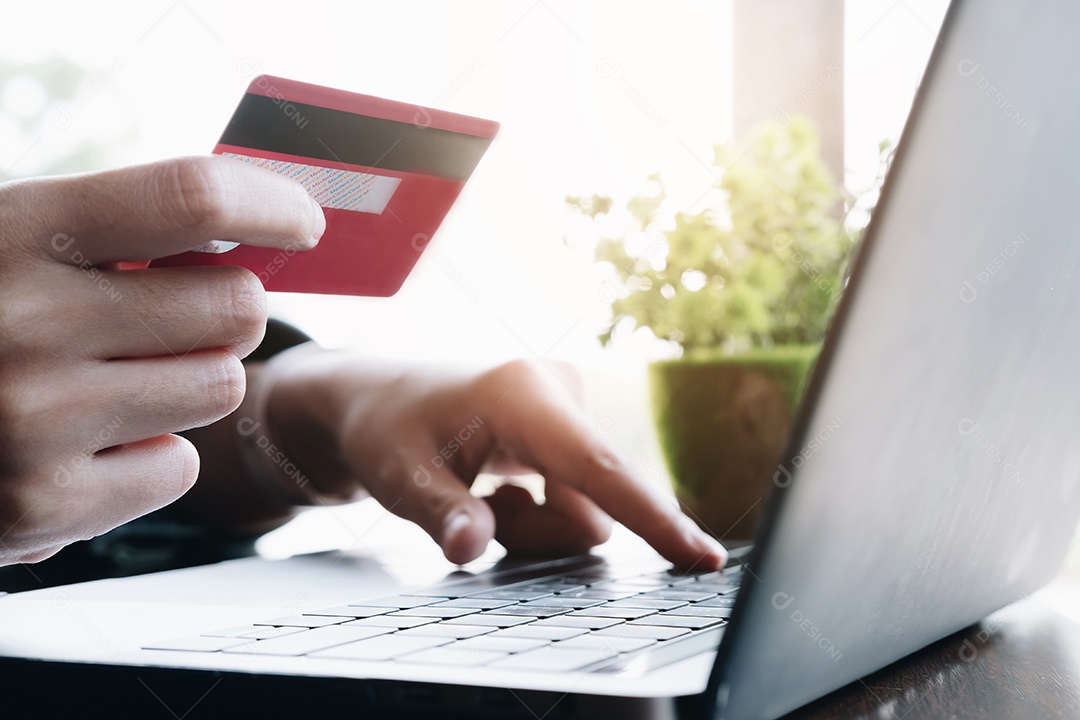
[(772, 258)]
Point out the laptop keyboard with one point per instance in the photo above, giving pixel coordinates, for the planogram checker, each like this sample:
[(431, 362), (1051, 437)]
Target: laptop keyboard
[(585, 618)]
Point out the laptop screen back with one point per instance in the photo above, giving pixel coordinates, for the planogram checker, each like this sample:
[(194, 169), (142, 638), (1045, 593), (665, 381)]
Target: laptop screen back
[(932, 476)]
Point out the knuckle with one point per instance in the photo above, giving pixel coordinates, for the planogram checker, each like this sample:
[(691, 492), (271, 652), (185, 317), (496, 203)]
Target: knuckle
[(242, 300), (195, 192), (37, 316), (502, 379), (225, 383), (600, 462), (25, 409), (19, 322), (558, 381), (517, 369)]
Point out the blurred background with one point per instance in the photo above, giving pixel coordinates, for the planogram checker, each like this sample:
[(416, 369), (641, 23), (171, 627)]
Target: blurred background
[(592, 97)]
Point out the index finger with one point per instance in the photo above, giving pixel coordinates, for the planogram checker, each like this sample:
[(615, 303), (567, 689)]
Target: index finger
[(547, 432), (148, 211)]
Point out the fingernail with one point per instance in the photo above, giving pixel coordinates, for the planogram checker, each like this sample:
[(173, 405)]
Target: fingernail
[(460, 542), (708, 545)]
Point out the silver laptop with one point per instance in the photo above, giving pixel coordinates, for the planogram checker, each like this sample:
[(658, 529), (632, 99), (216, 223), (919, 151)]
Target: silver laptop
[(945, 488)]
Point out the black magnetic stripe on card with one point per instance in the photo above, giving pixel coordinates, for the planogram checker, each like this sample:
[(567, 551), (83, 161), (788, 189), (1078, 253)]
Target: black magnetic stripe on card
[(274, 125)]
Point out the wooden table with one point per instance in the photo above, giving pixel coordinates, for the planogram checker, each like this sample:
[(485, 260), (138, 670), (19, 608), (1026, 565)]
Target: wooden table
[(1022, 662)]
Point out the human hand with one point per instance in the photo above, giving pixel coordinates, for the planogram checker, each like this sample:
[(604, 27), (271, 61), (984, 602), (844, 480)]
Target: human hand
[(98, 365), (416, 439)]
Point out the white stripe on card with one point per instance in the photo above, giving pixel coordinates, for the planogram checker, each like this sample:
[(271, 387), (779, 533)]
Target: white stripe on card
[(332, 188)]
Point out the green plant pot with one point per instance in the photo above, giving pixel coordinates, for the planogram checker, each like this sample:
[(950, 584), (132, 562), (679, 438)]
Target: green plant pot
[(722, 422)]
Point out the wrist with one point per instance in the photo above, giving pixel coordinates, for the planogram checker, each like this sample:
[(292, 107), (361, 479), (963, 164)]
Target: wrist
[(265, 456), (301, 408)]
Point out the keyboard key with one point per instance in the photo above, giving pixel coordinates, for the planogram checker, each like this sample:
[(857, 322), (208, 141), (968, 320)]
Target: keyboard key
[(633, 587), (590, 623), (675, 578), (454, 632), (305, 621), (697, 575), (665, 620), (602, 594), (642, 631), (687, 595), (611, 644), (710, 576), (725, 588), (639, 581), (698, 611), (396, 622), (490, 620), (234, 631), (646, 603), (475, 603), (265, 633), (586, 579), (533, 611), (401, 601), (253, 632), (533, 631), (552, 587), (381, 648), (573, 603), (500, 644), (448, 655), (720, 602), (446, 593), (548, 659), (436, 612), (735, 579), (516, 595), (475, 588), (655, 576), (310, 641), (613, 612), (199, 643), (349, 611)]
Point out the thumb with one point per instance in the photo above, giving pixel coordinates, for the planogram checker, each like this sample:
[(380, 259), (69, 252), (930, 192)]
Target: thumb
[(165, 208), (439, 502)]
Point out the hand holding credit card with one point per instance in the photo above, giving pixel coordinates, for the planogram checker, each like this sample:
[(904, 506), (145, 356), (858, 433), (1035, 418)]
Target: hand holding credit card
[(385, 173)]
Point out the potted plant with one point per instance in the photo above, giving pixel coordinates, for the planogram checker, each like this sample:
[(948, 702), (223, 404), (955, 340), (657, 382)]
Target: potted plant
[(742, 291)]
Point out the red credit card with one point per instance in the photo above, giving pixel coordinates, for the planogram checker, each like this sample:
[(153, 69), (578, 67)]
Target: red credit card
[(386, 173)]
